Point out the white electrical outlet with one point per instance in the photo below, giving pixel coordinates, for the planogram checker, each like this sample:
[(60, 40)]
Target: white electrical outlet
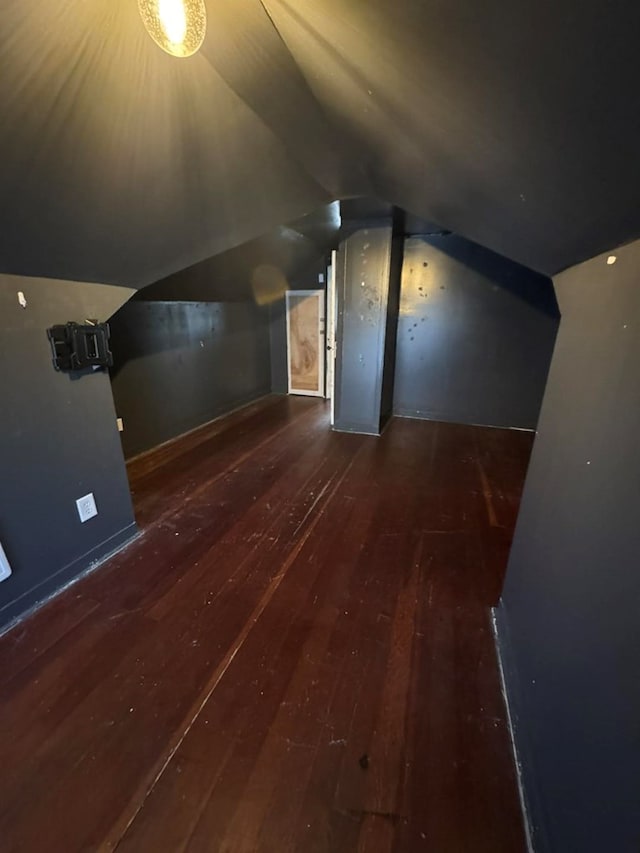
[(120, 423), (5, 568), (87, 507)]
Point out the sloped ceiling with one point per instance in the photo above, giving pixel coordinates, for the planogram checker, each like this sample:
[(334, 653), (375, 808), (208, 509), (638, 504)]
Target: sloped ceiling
[(260, 269), (513, 124), (122, 164)]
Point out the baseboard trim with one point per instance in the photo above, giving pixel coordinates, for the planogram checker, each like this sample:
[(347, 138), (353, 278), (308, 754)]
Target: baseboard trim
[(441, 419), (251, 401), (354, 430), (524, 805), (49, 588)]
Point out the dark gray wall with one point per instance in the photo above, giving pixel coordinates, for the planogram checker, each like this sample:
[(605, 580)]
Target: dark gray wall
[(475, 335), (278, 343), (180, 364), (569, 622), (362, 283), (59, 442)]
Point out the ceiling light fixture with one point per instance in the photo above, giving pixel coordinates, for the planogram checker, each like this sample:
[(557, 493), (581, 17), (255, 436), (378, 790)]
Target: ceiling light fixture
[(177, 26)]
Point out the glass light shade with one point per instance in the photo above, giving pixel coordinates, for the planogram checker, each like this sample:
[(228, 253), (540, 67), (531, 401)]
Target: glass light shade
[(177, 26)]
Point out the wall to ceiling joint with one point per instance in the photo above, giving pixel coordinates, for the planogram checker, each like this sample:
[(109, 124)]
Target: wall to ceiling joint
[(125, 165), (475, 335), (212, 337)]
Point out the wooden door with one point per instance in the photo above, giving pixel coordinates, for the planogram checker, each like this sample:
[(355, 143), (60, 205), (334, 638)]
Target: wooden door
[(305, 342)]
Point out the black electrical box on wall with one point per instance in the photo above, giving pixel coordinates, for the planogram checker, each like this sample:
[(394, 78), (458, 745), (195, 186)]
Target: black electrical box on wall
[(78, 346)]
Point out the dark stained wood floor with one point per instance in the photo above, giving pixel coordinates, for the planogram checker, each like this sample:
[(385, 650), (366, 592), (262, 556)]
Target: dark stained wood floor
[(295, 655)]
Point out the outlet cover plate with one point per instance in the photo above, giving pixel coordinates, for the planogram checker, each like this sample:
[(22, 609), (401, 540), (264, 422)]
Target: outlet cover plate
[(87, 507), (5, 568)]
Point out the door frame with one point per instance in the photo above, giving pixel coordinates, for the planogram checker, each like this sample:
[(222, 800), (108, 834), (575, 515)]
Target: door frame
[(331, 337)]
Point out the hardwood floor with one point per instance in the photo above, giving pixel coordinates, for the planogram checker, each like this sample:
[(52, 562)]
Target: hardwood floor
[(295, 655)]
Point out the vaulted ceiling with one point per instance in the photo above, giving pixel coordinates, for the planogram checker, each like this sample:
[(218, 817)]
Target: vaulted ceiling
[(514, 124)]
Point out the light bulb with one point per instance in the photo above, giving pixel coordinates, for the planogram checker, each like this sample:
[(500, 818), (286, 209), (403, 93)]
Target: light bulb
[(173, 17), (177, 26)]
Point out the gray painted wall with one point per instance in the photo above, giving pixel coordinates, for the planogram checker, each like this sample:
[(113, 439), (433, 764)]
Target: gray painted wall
[(570, 619), (278, 343), (59, 442), (362, 283), (180, 364), (475, 335)]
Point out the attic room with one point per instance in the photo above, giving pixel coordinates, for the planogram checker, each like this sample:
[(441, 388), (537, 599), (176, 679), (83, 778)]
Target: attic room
[(318, 503)]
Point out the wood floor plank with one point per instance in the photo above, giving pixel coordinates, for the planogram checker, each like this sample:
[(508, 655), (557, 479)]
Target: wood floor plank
[(313, 631), (295, 655), (27, 643)]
